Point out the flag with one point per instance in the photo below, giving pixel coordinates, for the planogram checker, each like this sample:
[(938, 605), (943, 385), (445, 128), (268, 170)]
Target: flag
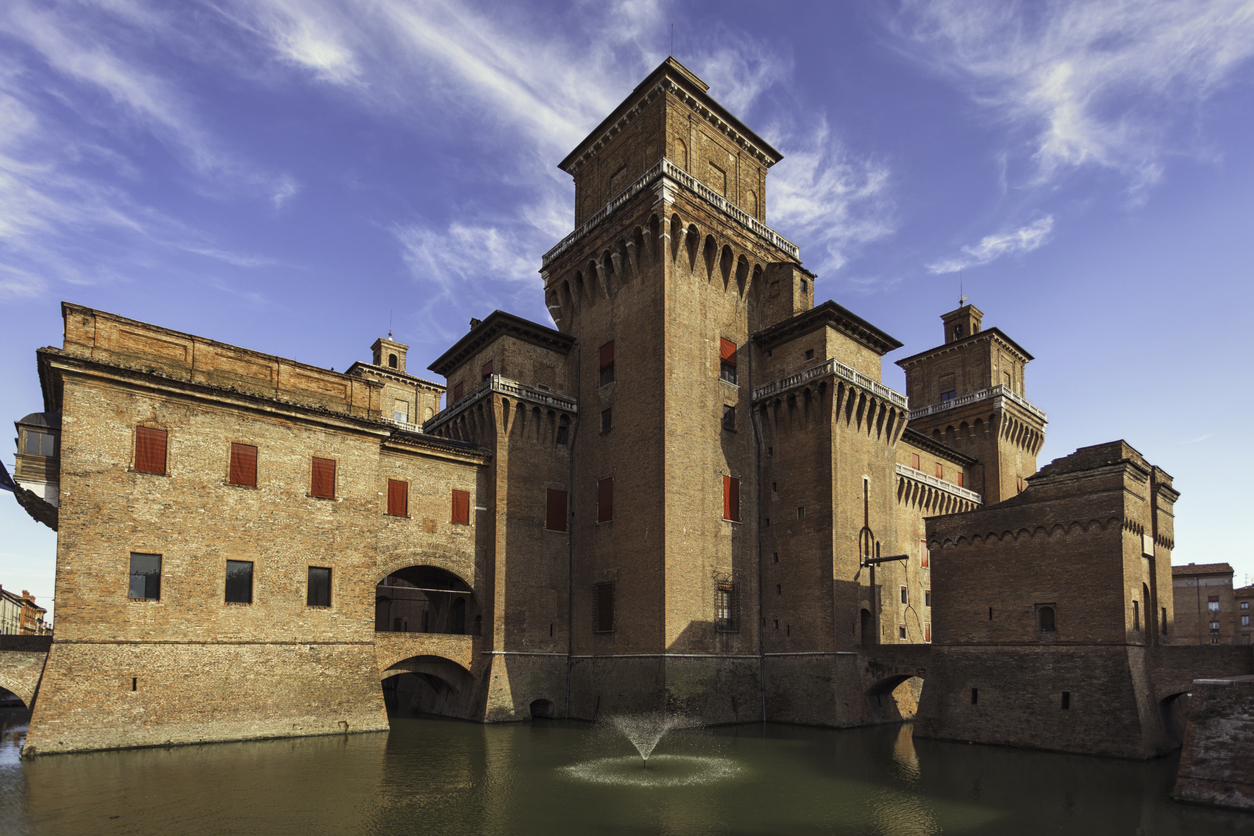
[(6, 481)]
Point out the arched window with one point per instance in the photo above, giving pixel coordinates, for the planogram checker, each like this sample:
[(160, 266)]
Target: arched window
[(392, 360), (1045, 616)]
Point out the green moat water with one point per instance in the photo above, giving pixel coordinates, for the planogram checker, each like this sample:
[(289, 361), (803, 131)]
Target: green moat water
[(431, 776)]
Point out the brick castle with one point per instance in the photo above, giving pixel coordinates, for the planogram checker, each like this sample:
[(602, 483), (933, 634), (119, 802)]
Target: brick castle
[(694, 494)]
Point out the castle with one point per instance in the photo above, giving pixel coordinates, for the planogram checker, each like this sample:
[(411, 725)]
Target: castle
[(694, 493)]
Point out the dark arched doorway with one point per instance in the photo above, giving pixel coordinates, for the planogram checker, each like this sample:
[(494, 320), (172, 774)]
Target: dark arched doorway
[(867, 632), (424, 599)]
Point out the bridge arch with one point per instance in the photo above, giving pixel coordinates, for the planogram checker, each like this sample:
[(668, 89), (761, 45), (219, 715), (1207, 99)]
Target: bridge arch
[(894, 699), (428, 684)]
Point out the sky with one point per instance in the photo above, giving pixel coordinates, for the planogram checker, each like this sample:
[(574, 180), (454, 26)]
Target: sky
[(299, 177)]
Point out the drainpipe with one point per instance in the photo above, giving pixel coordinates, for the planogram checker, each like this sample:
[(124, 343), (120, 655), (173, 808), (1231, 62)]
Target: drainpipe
[(757, 439), (570, 530)]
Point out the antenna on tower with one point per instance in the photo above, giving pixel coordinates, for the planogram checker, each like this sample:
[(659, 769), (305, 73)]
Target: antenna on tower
[(962, 297), (672, 40), (389, 323)]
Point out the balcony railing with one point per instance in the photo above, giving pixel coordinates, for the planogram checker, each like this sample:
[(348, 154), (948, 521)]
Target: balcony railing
[(983, 394), (666, 168), (839, 369), (940, 484), (505, 386)]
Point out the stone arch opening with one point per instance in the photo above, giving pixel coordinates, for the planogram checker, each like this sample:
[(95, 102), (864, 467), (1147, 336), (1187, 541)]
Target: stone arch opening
[(425, 599), (894, 699), (9, 699), (427, 685), (542, 709), (1174, 712)]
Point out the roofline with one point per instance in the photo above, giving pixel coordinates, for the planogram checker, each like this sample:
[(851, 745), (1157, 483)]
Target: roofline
[(926, 442), (685, 78), (970, 338), (828, 313), (499, 323), (388, 371)]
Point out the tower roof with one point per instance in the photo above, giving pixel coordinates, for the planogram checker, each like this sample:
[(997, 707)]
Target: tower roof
[(674, 76)]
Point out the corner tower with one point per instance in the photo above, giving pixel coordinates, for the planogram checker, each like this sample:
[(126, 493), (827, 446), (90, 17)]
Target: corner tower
[(968, 393), (669, 271)]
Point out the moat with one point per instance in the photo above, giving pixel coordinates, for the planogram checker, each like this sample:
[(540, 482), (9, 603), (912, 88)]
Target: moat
[(439, 776)]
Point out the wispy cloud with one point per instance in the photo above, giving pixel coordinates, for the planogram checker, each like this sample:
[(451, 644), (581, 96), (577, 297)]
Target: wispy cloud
[(1085, 83), (1025, 239)]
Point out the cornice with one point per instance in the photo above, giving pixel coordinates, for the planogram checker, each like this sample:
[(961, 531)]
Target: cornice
[(992, 334)]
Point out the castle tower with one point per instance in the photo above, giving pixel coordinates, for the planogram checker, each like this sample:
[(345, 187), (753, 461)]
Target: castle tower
[(668, 273), (968, 393)]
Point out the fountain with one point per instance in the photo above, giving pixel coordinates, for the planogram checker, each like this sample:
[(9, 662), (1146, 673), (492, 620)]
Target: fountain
[(645, 732)]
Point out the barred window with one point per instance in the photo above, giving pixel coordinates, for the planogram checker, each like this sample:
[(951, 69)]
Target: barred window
[(726, 617)]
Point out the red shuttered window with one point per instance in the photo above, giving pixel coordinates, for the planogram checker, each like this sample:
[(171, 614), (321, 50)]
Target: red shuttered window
[(605, 500), (925, 556), (555, 511), (607, 364), (605, 607), (150, 450), (457, 393), (727, 360), (914, 460), (731, 498), (486, 371), (461, 508), (960, 479), (243, 465), (323, 482), (398, 498), (940, 471)]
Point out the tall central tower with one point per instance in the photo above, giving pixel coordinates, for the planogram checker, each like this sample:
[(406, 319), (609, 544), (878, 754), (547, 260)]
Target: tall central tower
[(669, 271)]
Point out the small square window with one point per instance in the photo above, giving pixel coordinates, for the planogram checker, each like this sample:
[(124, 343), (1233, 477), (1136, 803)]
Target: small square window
[(809, 353), (1245, 605), (239, 582), (801, 512), (319, 587), (949, 395), (905, 596), (150, 450), (1245, 621), (901, 631), (1214, 626), (145, 584)]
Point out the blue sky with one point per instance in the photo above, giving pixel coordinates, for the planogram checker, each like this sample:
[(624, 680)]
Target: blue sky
[(295, 177)]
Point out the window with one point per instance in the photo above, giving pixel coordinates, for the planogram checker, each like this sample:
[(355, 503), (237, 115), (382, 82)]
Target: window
[(461, 508), (239, 582), (150, 447), (607, 420), (927, 632), (727, 361), (801, 512), (486, 371), (607, 364), (949, 395), (1066, 700), (605, 608), (975, 696), (319, 587), (1136, 615), (1245, 639), (605, 500), (960, 479), (1045, 619), (1212, 603), (927, 597), (901, 631), (725, 608), (914, 460), (1164, 621), (39, 443), (1214, 639), (391, 361), (145, 577), (1020, 484), (243, 465), (322, 484), (1214, 626), (1245, 605), (804, 285), (400, 411), (1245, 621), (731, 498), (555, 511), (905, 596), (809, 353), (925, 556), (940, 471), (458, 390), (563, 431), (398, 498), (729, 417)]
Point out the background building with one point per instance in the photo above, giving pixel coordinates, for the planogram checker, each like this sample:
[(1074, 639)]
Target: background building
[(1204, 604)]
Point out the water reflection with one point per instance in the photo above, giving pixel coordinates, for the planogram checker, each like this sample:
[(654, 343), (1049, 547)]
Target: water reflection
[(434, 776)]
